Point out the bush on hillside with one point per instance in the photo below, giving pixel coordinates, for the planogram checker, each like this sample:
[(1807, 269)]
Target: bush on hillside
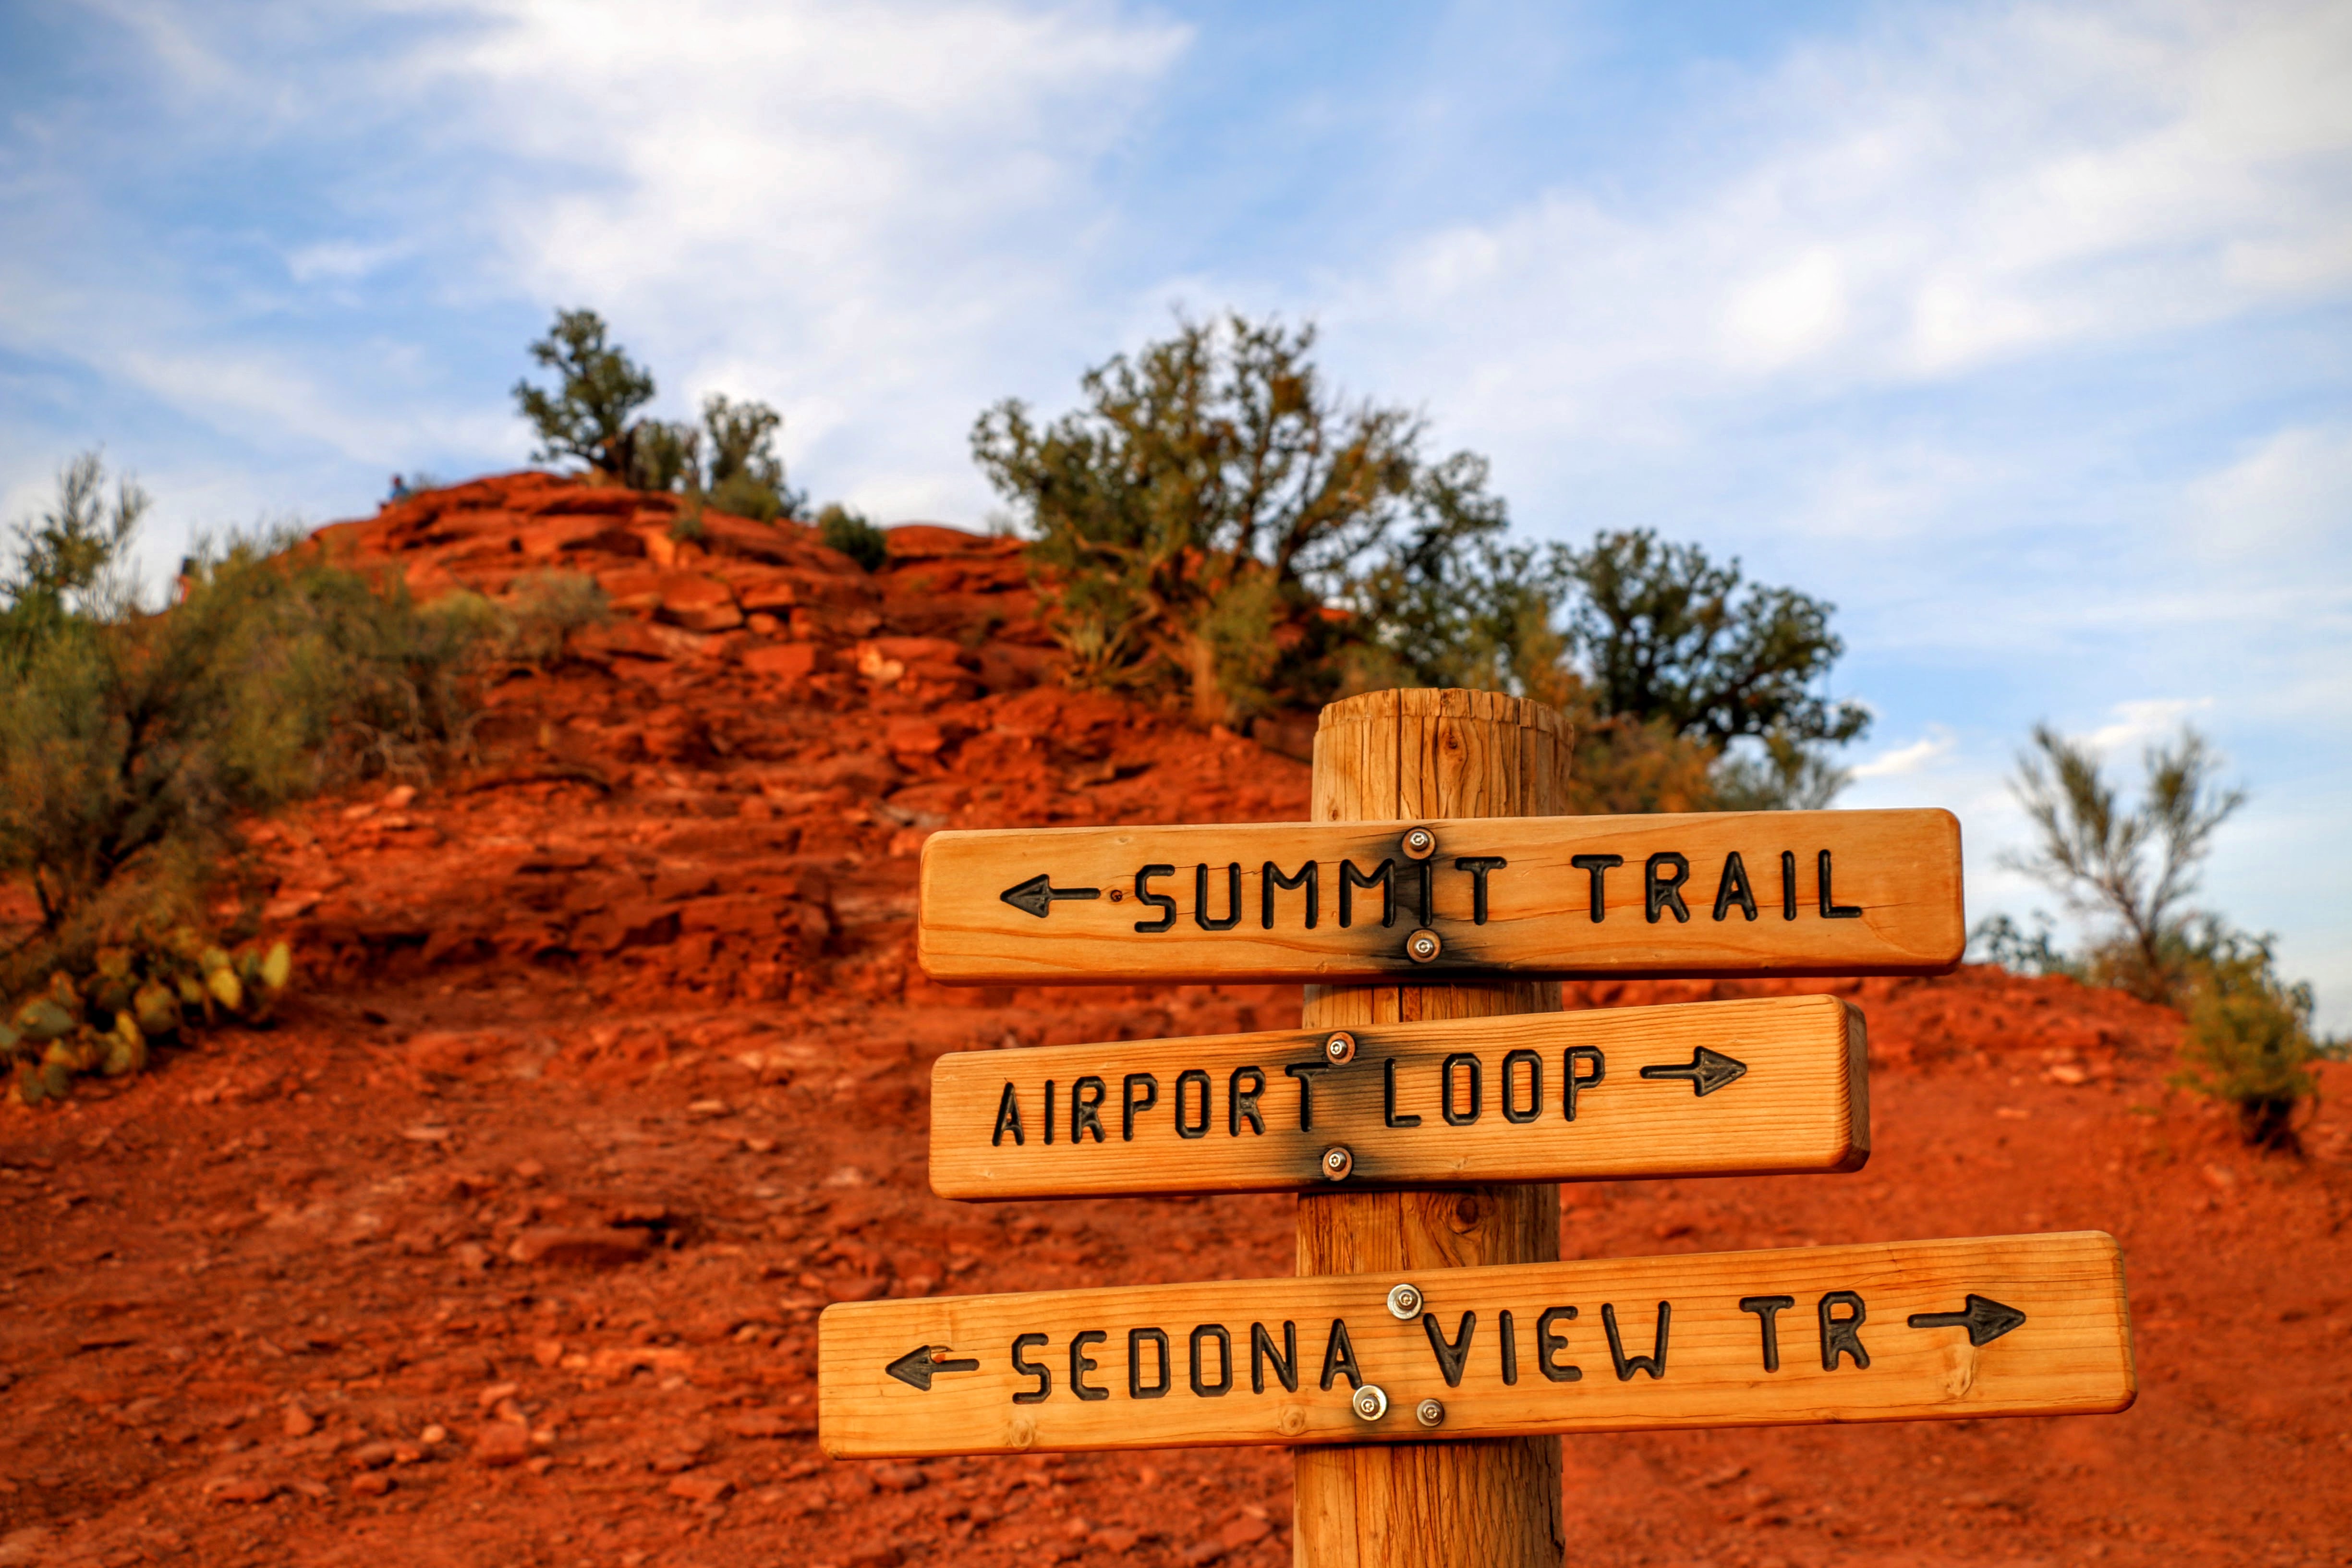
[(1215, 528), (2249, 1043), (1690, 688), (130, 742), (590, 415), (544, 609), (1191, 522), (2136, 868), (848, 531)]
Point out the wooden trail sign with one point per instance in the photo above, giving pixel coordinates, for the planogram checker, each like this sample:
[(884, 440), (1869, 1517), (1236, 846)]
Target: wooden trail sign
[(2023, 1325), (1780, 892), (1763, 1086)]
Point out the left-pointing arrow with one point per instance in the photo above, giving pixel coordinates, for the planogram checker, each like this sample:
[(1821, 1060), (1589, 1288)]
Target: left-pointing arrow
[(919, 1365), (1037, 895), (1708, 1070)]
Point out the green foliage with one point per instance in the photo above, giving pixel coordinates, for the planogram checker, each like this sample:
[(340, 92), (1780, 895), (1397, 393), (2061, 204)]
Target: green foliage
[(589, 414), (747, 477), (2138, 866), (1999, 940), (544, 609), (1214, 529), (730, 458), (130, 742), (1665, 632), (839, 528), (1201, 507), (2249, 1043)]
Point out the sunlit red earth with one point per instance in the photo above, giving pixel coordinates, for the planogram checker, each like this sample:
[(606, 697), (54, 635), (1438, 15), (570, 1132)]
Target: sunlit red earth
[(609, 1071)]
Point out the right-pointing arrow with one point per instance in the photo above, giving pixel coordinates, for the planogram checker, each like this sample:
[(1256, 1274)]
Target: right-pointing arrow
[(1708, 1070), (917, 1365), (1986, 1320)]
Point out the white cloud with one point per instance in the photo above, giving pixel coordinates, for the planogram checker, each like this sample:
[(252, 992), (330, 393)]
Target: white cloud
[(2147, 721), (2293, 490), (1919, 756), (1960, 187)]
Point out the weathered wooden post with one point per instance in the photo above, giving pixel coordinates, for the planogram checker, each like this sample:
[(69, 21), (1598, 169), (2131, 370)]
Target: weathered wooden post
[(1420, 756)]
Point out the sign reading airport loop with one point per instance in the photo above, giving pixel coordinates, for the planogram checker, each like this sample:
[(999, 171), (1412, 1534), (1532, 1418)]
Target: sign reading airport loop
[(1846, 1333), (1823, 892), (1771, 1083)]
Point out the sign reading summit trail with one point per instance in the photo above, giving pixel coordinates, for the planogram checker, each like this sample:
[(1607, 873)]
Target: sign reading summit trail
[(2024, 1325), (1779, 892), (1752, 1087)]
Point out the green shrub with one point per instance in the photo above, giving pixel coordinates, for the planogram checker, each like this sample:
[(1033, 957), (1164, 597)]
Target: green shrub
[(1209, 485), (545, 608), (132, 744), (2137, 866), (589, 414), (841, 529), (2249, 1043)]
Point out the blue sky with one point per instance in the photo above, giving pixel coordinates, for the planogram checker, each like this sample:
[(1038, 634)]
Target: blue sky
[(2021, 331)]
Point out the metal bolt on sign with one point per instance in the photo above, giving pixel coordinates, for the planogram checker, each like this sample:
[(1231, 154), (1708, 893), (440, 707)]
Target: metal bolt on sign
[(1338, 1162), (1420, 844), (1371, 1403), (1430, 1412), (1405, 1302), (1422, 946), (1340, 1047)]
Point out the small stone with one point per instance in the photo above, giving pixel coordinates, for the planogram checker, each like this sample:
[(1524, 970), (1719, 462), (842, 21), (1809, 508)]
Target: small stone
[(548, 1352), (374, 1483), (245, 1489), (1116, 1540), (858, 1288), (589, 1245), (373, 1455), (300, 1423), (437, 1433), (496, 1393), (470, 1255), (701, 1488), (317, 1491), (501, 1443), (900, 1477), (1245, 1531)]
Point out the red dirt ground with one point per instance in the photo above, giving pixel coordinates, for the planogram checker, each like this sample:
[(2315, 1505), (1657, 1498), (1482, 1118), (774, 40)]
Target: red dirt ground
[(506, 1245)]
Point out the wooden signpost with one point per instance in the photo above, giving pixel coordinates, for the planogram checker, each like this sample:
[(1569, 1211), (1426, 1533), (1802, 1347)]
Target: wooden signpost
[(1433, 1347)]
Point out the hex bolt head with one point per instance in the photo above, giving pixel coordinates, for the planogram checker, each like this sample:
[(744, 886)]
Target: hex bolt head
[(1340, 1047), (1420, 844), (1405, 1302), (1422, 946), (1369, 1402), (1337, 1163), (1430, 1412)]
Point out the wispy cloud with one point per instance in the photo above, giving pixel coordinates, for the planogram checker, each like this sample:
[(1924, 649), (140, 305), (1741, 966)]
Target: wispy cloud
[(1919, 756)]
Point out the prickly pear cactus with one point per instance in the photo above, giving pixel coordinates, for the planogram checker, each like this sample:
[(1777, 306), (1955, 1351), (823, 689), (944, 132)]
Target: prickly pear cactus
[(156, 989)]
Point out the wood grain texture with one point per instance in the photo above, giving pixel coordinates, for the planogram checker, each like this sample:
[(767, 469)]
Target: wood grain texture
[(1432, 755), (1224, 1114), (1738, 893), (2070, 1354)]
